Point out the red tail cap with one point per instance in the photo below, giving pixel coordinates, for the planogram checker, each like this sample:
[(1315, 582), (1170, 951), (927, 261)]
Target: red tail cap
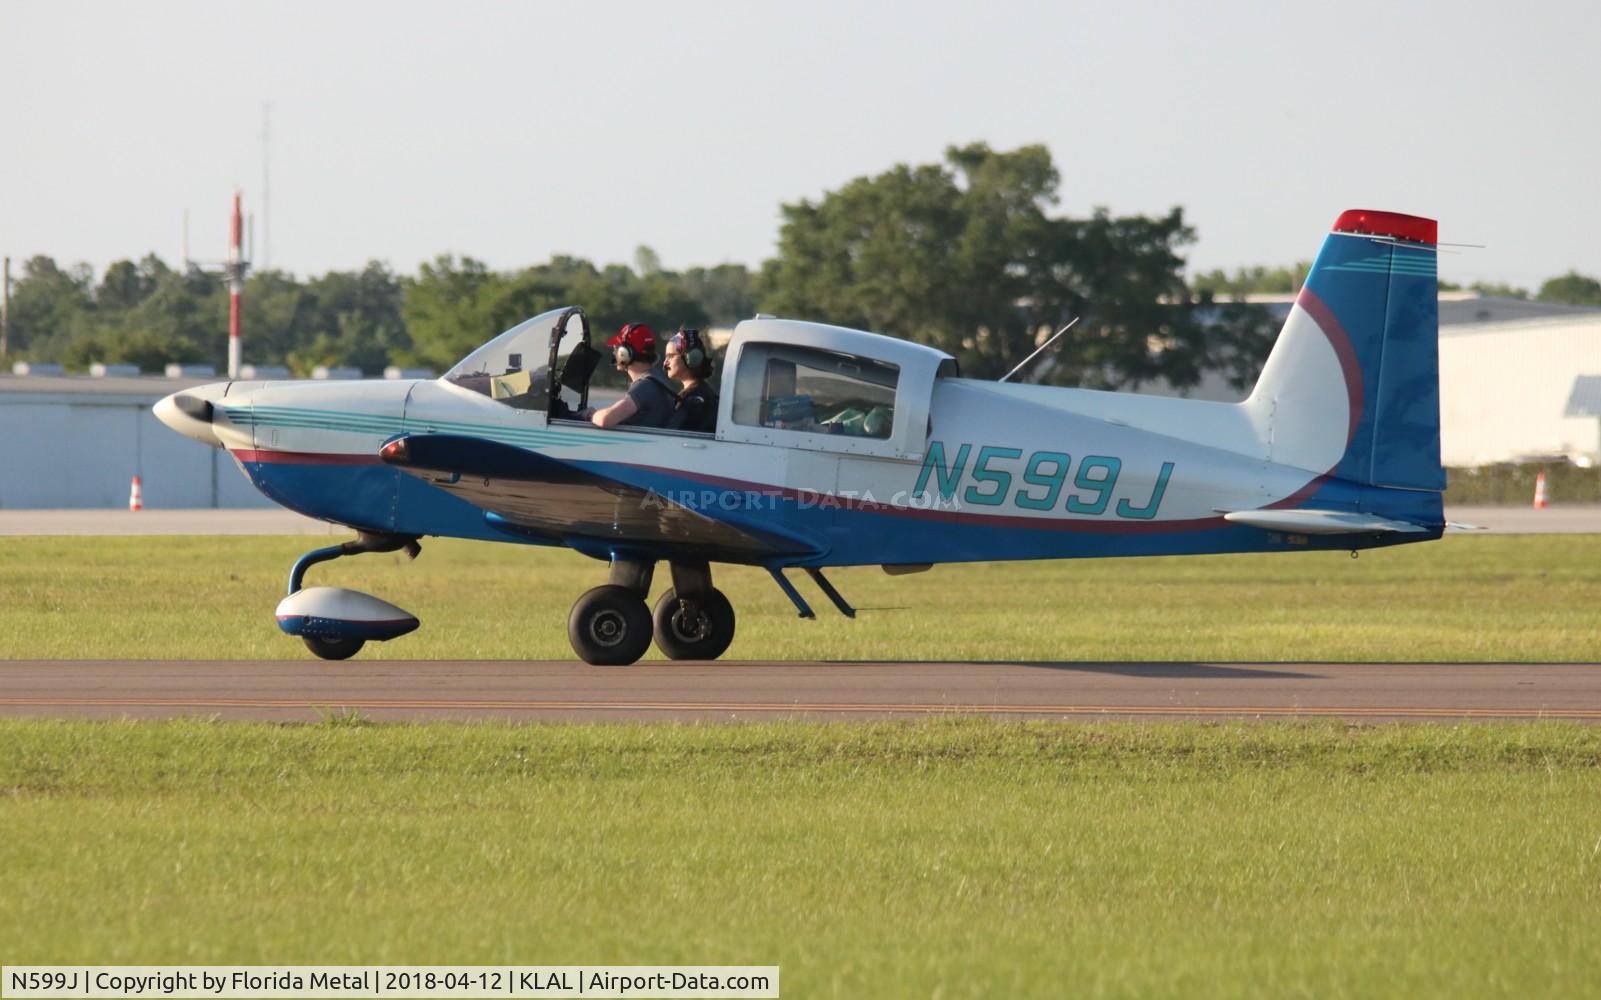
[(1402, 227)]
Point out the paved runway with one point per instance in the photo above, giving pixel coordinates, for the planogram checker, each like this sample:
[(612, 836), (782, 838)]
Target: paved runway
[(287, 690)]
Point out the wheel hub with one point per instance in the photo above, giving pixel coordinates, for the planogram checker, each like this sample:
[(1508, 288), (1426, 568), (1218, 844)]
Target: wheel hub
[(691, 627), (608, 627)]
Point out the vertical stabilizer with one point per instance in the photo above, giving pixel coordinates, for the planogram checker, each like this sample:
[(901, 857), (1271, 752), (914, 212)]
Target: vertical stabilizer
[(1352, 386)]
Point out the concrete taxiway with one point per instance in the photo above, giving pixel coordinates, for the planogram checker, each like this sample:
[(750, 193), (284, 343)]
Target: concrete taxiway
[(306, 690)]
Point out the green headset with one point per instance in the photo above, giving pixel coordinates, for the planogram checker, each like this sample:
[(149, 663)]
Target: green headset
[(692, 346)]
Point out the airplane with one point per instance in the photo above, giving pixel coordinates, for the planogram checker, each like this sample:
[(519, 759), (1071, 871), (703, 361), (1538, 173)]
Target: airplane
[(841, 447)]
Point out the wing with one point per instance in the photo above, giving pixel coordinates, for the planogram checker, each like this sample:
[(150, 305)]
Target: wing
[(532, 494)]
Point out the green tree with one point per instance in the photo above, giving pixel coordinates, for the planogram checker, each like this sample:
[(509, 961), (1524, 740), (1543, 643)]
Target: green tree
[(278, 319), (50, 305), (1573, 289), (134, 314), (449, 309), (1499, 290), (127, 284), (646, 261), (1256, 280), (967, 256), (726, 293), (348, 318), (185, 314)]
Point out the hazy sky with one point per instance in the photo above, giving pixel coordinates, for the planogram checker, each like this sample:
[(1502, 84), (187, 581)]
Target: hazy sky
[(514, 131)]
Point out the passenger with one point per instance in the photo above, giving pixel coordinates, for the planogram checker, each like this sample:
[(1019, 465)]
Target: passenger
[(649, 401), (689, 362)]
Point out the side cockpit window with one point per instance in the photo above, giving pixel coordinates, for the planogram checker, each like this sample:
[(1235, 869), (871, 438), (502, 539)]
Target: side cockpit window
[(815, 391)]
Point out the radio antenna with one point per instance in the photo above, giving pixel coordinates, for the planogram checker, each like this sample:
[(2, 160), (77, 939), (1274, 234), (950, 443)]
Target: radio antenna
[(1038, 350)]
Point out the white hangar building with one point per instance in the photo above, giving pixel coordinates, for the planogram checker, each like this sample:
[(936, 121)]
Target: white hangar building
[(1519, 381)]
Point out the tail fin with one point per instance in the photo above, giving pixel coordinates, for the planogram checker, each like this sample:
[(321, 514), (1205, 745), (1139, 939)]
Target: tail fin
[(1352, 386)]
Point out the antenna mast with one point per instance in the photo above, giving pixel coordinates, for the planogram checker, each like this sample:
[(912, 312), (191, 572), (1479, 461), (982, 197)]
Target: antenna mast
[(5, 308), (266, 190)]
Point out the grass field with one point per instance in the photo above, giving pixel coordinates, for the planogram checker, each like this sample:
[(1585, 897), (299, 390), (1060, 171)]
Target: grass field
[(946, 858), (1518, 598), (942, 858)]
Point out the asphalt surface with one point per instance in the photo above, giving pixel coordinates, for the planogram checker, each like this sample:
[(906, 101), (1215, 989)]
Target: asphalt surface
[(1562, 519), (307, 690)]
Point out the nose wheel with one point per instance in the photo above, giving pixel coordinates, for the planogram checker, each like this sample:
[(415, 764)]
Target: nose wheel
[(333, 649)]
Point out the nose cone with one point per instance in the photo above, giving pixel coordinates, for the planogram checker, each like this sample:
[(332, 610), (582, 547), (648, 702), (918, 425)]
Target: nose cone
[(190, 412)]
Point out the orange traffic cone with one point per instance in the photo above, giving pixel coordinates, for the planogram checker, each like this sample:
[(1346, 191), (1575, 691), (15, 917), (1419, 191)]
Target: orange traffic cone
[(136, 496), (1541, 501)]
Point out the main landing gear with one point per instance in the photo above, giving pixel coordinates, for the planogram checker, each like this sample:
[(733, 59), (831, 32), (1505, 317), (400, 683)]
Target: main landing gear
[(334, 622), (611, 625)]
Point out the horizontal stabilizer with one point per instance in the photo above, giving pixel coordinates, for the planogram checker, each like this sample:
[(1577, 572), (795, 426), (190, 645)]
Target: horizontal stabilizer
[(1321, 522)]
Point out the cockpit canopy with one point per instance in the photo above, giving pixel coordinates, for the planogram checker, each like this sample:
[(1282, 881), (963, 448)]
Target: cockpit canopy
[(515, 368)]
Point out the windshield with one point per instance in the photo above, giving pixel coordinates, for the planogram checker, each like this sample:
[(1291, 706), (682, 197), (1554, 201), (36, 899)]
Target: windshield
[(514, 368)]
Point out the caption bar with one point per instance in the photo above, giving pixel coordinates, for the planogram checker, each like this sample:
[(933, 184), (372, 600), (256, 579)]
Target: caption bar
[(356, 981)]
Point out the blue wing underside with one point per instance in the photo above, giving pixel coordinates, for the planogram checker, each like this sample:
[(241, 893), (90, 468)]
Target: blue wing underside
[(524, 492)]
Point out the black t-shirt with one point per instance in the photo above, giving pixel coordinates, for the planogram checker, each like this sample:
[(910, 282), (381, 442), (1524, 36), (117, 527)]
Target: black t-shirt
[(696, 410), (654, 399)]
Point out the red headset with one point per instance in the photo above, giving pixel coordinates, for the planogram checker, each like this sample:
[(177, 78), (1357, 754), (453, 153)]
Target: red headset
[(634, 342)]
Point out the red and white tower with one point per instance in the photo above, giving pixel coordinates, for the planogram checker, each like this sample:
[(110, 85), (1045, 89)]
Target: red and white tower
[(235, 270)]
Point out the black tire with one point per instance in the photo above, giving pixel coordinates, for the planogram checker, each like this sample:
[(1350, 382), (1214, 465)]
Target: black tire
[(609, 626), (333, 649), (705, 638)]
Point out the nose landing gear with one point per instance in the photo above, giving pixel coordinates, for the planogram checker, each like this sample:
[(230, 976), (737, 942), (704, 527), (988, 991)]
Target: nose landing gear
[(334, 622)]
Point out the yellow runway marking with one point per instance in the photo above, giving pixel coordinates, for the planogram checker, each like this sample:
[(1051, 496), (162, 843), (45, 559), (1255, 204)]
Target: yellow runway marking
[(378, 704)]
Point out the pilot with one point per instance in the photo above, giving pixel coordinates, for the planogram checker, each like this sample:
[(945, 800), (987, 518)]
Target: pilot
[(649, 401), (690, 362)]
